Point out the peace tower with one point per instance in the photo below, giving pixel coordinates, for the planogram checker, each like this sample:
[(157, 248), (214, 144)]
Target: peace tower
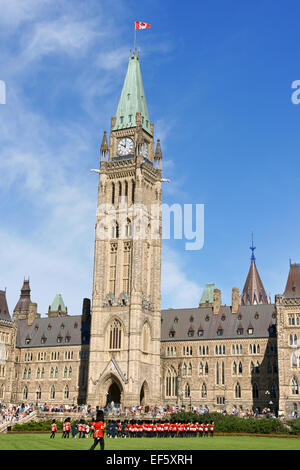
[(124, 361)]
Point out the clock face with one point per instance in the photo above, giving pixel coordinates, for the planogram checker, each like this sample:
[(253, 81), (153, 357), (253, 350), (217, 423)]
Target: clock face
[(125, 146)]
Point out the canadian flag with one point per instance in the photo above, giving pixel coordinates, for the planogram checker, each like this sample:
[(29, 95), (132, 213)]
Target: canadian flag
[(139, 25)]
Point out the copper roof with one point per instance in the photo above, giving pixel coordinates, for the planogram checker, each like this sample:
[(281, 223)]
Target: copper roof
[(292, 288)]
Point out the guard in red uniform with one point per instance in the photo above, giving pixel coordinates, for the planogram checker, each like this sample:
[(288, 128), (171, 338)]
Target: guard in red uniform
[(212, 428), (64, 430), (53, 429), (200, 428), (206, 429), (68, 428), (99, 430)]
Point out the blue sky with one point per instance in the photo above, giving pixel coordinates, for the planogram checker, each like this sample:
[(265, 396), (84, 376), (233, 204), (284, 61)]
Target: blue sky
[(217, 77)]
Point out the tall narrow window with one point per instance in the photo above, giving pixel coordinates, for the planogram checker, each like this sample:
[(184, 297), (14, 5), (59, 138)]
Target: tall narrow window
[(132, 192), (115, 335), (126, 266), (237, 391), (217, 373), (295, 389), (113, 267), (112, 193)]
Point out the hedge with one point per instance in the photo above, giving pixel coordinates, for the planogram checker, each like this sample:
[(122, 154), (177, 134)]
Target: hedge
[(37, 426), (234, 424), (294, 425)]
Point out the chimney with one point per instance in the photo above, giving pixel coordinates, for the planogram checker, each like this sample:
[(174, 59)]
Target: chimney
[(235, 300), (32, 313), (86, 309), (217, 301)]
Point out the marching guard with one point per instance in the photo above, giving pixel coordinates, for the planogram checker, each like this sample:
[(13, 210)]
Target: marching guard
[(98, 426)]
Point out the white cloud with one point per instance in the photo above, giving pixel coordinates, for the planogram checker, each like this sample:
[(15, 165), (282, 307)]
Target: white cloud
[(71, 36), (177, 290)]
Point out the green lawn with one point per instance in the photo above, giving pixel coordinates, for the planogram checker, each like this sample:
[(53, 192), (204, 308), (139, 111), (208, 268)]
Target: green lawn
[(43, 442)]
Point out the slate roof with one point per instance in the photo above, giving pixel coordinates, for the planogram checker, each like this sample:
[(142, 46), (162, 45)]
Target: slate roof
[(51, 328), (258, 317), (24, 300), (292, 288), (254, 291), (4, 312)]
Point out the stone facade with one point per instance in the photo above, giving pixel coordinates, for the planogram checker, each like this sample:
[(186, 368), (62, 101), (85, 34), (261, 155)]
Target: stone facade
[(127, 349)]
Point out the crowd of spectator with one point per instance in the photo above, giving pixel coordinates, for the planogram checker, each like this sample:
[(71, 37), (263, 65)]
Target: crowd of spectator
[(13, 413)]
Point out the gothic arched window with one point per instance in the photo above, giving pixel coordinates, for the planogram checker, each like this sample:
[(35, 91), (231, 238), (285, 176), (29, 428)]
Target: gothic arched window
[(52, 392), (171, 383), (115, 335), (66, 392), (146, 338), (254, 391), (295, 388), (187, 391), (238, 391), (203, 391)]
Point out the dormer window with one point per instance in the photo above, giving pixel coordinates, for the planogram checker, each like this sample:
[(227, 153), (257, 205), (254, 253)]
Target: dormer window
[(191, 332), (250, 331), (62, 326), (75, 325), (67, 339), (220, 332), (43, 339), (59, 339), (200, 332), (36, 327), (171, 333), (27, 340), (240, 331)]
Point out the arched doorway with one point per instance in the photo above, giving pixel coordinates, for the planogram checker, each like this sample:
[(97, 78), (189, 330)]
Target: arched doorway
[(144, 394), (113, 394)]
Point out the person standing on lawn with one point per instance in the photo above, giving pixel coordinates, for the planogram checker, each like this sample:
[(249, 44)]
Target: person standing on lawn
[(99, 430), (53, 429)]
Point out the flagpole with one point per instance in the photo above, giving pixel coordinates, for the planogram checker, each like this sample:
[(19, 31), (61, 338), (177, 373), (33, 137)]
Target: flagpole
[(134, 39)]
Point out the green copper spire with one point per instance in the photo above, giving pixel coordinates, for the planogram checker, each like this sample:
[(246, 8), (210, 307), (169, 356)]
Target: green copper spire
[(58, 302), (208, 294), (132, 99)]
